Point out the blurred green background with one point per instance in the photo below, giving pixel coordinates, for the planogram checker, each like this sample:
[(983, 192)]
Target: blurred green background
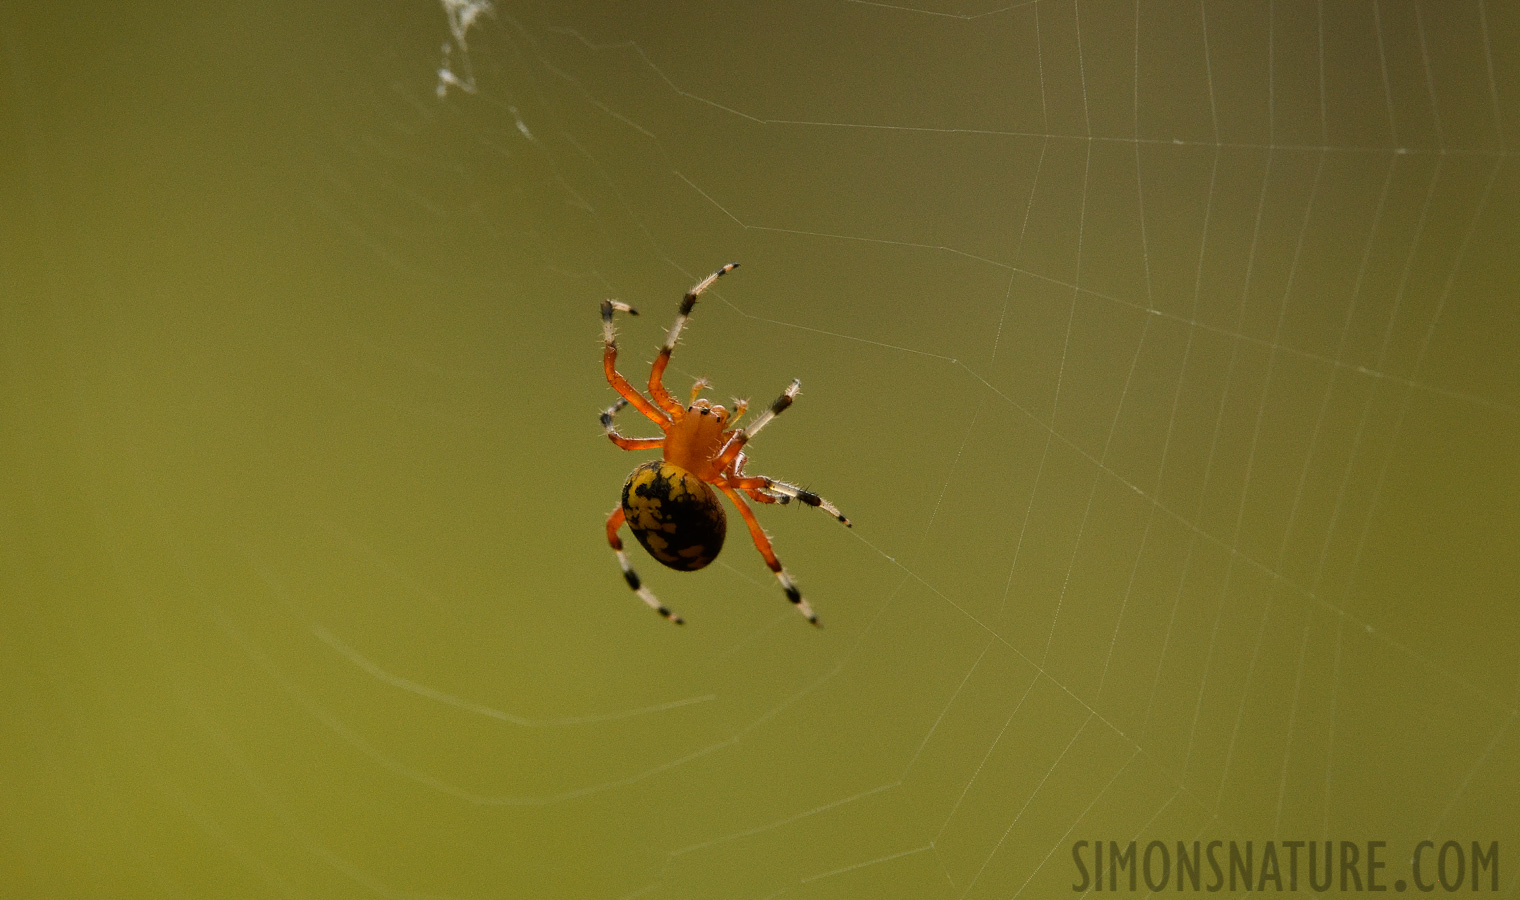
[(1164, 355)]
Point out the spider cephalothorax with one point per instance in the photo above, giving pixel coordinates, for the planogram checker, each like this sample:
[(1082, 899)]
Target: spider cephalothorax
[(670, 504)]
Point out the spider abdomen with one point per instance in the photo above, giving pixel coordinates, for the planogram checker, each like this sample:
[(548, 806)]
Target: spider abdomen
[(675, 515)]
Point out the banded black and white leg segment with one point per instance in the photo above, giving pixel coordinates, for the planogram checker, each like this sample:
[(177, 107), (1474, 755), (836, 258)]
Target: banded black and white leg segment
[(786, 493), (763, 544), (627, 443), (614, 522), (736, 443), (769, 490), (657, 371)]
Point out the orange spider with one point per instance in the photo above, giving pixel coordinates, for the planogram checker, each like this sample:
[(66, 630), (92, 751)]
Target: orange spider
[(669, 503)]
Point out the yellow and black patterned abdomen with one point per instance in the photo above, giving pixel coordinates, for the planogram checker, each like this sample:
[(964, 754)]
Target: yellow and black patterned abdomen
[(675, 515)]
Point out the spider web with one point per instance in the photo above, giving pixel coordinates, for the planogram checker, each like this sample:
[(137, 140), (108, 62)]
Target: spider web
[(1162, 354)]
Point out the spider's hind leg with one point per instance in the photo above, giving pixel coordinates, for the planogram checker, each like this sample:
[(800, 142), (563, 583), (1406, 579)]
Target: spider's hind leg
[(763, 544), (614, 522)]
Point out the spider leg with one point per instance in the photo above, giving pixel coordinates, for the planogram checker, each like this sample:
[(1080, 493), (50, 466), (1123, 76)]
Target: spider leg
[(614, 522), (760, 496), (763, 544), (657, 371), (627, 443), (609, 365), (736, 443), (782, 492), (769, 490), (735, 474)]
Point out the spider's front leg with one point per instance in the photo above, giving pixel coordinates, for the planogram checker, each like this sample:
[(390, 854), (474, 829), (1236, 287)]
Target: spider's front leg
[(657, 371), (627, 443), (609, 365), (737, 439)]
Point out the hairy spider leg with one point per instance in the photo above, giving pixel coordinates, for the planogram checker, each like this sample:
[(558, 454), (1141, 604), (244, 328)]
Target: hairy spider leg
[(627, 443), (657, 371), (780, 492), (736, 443), (763, 544), (614, 522), (768, 490), (609, 366)]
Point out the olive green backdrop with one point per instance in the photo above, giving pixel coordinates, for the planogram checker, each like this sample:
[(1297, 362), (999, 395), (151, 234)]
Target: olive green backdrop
[(1164, 355)]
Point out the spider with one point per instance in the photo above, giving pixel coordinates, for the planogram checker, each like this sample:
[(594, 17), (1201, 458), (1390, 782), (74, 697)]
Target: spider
[(669, 503)]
